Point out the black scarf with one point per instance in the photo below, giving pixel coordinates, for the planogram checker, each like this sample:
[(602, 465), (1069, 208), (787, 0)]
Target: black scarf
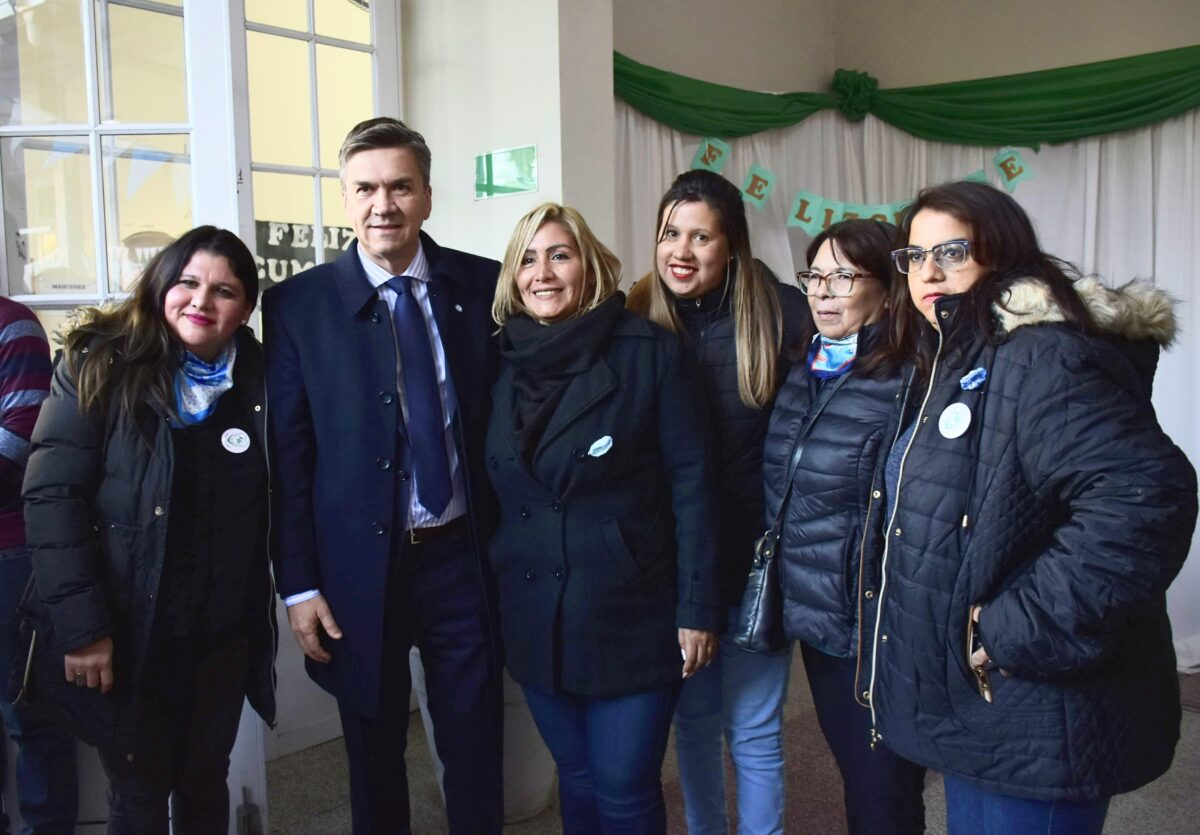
[(546, 357)]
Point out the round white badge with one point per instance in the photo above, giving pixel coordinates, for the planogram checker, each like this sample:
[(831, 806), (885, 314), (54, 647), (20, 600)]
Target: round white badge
[(235, 440), (954, 420)]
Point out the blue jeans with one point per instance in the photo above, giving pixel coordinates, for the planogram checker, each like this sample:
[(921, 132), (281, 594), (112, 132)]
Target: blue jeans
[(609, 754), (744, 694), (46, 771), (975, 811)]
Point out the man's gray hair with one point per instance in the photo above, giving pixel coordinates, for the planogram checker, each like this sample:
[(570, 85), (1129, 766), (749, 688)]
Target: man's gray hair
[(385, 132)]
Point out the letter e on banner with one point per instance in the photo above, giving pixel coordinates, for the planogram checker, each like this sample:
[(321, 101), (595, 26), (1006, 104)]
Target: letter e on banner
[(1012, 167), (758, 186)]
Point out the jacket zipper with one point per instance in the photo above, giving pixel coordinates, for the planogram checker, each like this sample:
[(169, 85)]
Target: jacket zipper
[(860, 696), (887, 547)]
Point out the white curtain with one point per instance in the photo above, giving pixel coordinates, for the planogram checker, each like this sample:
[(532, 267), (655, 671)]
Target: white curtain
[(1122, 206)]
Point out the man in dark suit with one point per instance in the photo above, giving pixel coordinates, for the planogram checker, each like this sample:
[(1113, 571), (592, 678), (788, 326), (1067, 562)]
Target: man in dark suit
[(378, 368)]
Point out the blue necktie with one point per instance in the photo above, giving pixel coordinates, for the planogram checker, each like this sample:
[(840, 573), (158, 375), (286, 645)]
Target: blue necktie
[(426, 426)]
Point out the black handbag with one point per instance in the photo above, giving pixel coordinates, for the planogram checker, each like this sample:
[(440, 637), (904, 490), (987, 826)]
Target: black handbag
[(758, 626)]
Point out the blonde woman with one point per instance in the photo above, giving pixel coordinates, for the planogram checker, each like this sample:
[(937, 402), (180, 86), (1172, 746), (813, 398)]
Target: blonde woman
[(735, 319), (605, 555)]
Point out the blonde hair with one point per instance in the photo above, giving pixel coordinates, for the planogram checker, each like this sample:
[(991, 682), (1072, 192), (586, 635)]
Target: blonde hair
[(602, 269), (757, 317)]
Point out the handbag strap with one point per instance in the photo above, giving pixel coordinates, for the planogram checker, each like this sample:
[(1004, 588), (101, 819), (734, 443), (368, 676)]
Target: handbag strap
[(827, 393)]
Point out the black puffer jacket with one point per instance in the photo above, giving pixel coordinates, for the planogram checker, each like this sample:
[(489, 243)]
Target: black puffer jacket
[(97, 506), (1065, 512), (830, 504), (738, 430)]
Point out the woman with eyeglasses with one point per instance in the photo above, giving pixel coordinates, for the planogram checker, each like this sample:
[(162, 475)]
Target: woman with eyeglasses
[(1036, 513), (825, 435), (735, 318)]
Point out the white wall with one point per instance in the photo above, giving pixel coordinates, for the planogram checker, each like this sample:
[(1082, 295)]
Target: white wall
[(775, 45), (795, 45), (932, 41), (481, 76)]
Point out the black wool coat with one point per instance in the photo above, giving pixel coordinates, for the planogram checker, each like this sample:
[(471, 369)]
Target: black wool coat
[(97, 507), (1064, 511), (340, 452), (607, 545)]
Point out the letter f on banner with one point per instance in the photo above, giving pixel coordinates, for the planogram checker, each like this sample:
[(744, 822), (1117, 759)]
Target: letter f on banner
[(711, 155)]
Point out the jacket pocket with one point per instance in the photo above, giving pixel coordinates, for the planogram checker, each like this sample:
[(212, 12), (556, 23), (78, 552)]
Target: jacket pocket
[(117, 544), (622, 558)]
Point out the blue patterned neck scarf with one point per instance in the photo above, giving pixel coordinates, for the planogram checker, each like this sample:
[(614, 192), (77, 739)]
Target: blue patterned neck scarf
[(830, 358), (199, 385)]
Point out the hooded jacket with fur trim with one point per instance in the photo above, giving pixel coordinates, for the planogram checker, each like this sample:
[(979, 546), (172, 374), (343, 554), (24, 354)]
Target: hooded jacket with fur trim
[(1037, 484)]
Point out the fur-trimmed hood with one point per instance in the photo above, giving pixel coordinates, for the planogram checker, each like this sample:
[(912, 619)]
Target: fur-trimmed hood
[(1135, 311)]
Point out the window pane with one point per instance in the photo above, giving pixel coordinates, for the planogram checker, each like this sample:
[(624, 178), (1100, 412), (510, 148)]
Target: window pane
[(344, 96), (147, 67), (280, 107), (349, 20), (57, 322), (338, 232), (147, 200), (289, 14), (42, 78), (283, 216), (48, 215)]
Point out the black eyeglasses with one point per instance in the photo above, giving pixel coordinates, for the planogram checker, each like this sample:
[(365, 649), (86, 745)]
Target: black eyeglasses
[(837, 282), (948, 255)]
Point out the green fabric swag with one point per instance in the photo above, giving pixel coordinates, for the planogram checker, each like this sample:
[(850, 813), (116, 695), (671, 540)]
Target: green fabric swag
[(1056, 105)]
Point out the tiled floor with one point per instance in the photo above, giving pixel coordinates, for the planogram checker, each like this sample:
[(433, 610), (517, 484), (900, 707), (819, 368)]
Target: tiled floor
[(308, 792)]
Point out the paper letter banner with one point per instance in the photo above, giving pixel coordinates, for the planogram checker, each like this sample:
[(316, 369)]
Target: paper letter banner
[(979, 176), (759, 184), (711, 155), (806, 212), (1012, 167)]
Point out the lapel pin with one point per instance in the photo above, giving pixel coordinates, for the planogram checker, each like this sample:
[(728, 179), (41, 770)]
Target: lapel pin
[(601, 446), (458, 307)]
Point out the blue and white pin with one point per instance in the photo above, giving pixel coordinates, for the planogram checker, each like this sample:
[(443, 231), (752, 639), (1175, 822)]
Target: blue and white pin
[(973, 379), (955, 420), (600, 446)]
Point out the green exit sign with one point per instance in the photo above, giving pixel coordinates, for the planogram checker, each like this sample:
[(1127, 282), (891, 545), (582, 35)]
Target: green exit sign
[(508, 171)]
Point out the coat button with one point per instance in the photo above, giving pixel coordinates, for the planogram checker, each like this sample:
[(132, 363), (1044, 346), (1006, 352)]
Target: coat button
[(868, 594), (877, 494), (383, 463), (556, 507), (558, 573), (525, 514), (376, 318), (257, 407), (402, 475), (158, 511), (883, 638), (897, 531), (379, 528), (945, 314), (387, 398), (493, 463), (530, 575), (866, 695)]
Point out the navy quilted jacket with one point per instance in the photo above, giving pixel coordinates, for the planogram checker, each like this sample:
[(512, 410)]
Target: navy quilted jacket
[(1065, 511), (738, 429), (830, 503)]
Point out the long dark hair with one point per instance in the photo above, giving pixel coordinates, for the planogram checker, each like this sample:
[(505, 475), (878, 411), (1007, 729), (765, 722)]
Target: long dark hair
[(867, 244), (128, 354), (757, 318), (1005, 244)]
